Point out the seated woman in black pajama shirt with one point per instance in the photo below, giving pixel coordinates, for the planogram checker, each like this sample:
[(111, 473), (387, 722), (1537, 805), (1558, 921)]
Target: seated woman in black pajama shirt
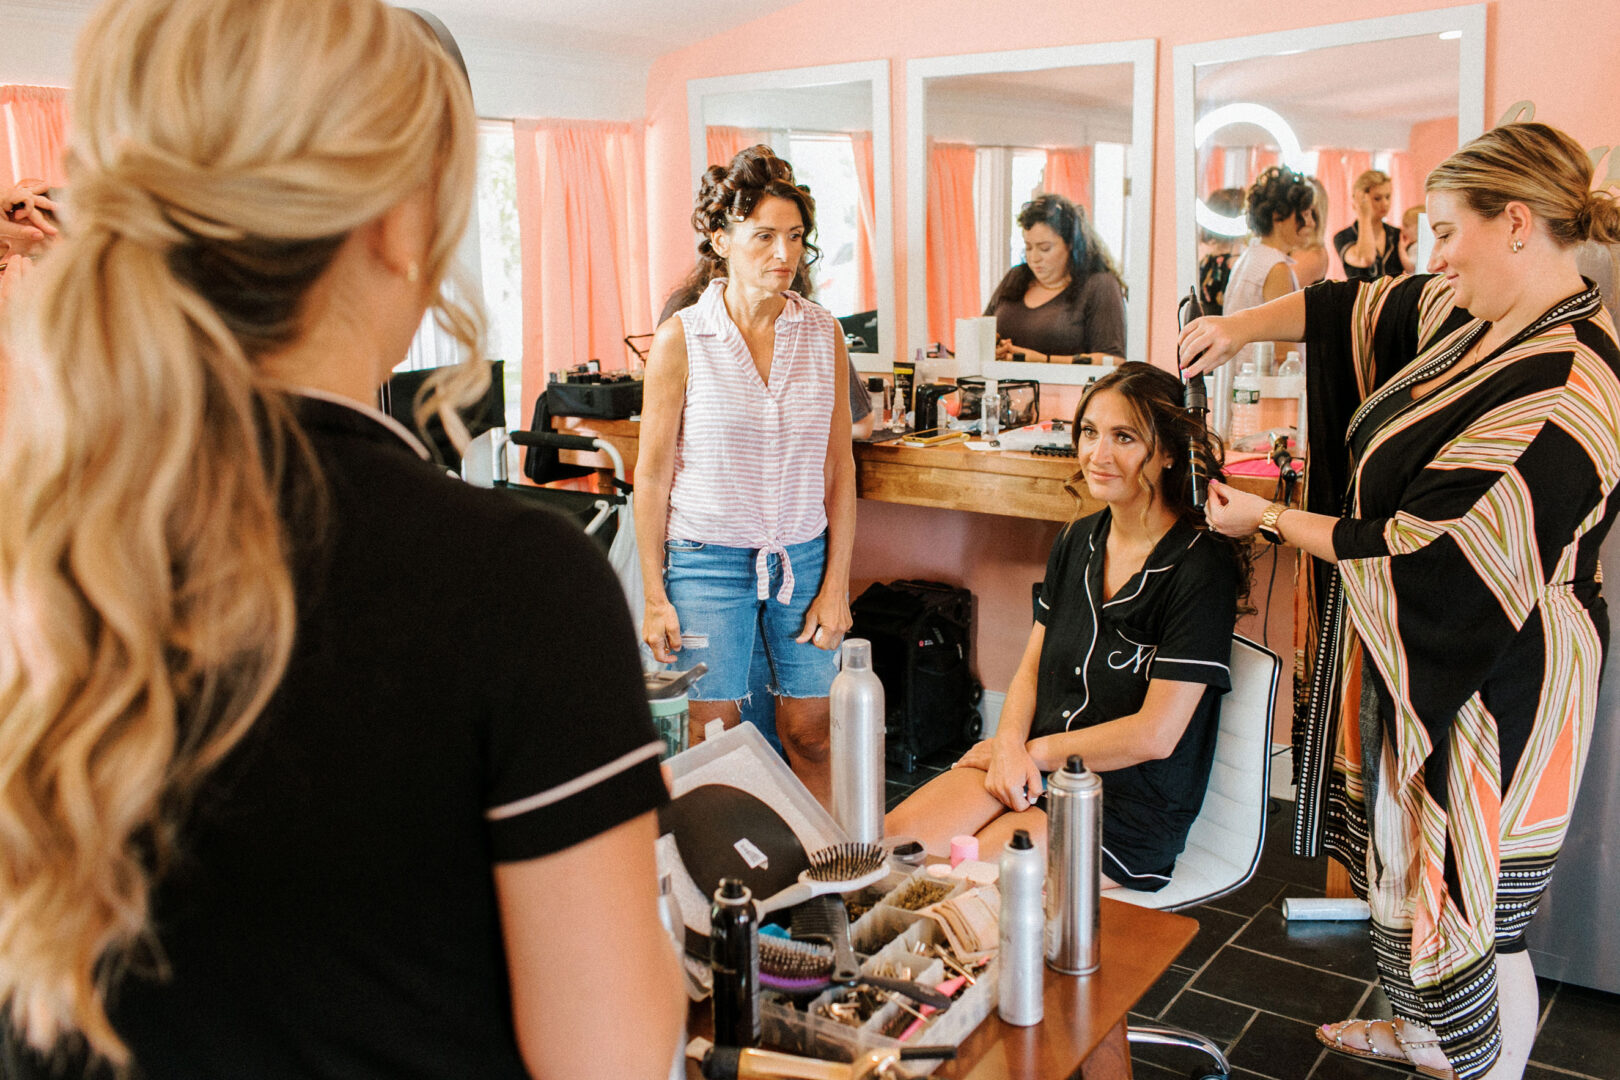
[(1128, 658)]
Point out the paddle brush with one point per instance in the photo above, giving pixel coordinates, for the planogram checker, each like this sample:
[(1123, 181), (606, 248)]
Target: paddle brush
[(841, 868)]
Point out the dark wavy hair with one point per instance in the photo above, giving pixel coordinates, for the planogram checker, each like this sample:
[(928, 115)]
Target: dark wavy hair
[(1087, 253), (728, 195), (1156, 397), (1277, 193)]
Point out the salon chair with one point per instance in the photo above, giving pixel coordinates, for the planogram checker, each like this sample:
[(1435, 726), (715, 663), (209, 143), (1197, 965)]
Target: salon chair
[(1225, 842)]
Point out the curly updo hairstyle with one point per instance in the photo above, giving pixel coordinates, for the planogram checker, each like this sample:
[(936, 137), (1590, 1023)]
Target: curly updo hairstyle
[(1156, 397), (728, 195), (1277, 193), (1539, 166)]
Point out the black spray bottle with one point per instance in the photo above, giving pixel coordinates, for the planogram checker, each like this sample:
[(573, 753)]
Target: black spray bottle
[(734, 957)]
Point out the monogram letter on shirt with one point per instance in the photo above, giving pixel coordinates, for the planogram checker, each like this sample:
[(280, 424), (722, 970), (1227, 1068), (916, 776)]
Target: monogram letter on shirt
[(1119, 660)]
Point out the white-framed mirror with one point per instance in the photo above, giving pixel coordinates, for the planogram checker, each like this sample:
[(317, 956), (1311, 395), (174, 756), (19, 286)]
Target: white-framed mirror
[(832, 123), (1397, 93), (1074, 119)]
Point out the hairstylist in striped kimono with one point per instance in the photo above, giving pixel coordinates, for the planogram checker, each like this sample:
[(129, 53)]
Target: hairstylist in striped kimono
[(745, 486), (1465, 453)]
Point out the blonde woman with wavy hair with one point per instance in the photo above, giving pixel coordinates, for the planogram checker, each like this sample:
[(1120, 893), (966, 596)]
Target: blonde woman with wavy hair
[(271, 803)]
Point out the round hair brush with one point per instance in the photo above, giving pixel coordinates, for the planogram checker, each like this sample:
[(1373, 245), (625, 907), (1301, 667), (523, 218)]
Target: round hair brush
[(841, 868)]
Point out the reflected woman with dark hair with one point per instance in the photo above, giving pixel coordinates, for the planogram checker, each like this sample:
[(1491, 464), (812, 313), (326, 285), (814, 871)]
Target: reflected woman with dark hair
[(1066, 300), (1281, 208), (745, 488), (1128, 658)]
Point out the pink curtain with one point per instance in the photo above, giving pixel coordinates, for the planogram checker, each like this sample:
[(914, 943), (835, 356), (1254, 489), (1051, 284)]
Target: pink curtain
[(953, 249), (581, 193), (1068, 173), (866, 226), (1261, 159), (1338, 169), (725, 143), (39, 123)]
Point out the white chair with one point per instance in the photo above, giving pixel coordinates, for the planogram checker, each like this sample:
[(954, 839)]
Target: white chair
[(1224, 845)]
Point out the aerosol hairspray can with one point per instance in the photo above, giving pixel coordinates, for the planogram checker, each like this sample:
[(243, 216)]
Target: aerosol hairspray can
[(1073, 869), (857, 745), (734, 958), (1022, 923)]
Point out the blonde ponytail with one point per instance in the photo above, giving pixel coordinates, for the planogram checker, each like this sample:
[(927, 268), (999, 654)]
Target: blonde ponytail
[(147, 605)]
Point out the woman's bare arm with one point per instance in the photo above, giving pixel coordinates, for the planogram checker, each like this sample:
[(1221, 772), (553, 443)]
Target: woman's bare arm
[(663, 402), (589, 960), (1149, 734)]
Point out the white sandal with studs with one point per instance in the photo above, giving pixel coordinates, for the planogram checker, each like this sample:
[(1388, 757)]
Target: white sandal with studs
[(1334, 1040)]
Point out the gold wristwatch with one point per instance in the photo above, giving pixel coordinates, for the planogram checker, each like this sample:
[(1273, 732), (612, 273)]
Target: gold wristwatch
[(1268, 522)]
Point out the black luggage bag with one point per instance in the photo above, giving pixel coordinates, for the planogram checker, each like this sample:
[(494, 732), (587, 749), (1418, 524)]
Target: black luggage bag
[(921, 634)]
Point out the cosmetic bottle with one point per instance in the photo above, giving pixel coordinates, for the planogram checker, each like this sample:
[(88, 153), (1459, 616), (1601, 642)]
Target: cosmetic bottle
[(904, 373), (990, 411), (1073, 869), (734, 958), (1022, 929), (857, 745)]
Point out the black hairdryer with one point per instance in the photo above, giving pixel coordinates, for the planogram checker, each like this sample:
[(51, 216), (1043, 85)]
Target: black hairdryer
[(1195, 398)]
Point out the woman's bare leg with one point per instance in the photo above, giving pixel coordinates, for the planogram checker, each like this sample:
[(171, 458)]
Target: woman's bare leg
[(1519, 1004), (699, 713), (803, 725), (954, 803)]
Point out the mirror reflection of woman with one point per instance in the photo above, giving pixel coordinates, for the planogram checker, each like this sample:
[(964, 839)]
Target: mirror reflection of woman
[(1311, 258), (1065, 302), (1281, 208), (1370, 247)]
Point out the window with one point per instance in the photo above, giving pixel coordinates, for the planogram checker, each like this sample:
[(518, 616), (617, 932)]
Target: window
[(826, 164), (489, 263)]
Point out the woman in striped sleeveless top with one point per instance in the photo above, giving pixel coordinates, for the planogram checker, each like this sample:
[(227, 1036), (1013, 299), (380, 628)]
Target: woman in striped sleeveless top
[(1462, 626), (745, 485)]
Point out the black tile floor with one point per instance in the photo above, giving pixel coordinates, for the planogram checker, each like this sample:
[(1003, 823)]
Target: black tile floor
[(1259, 986)]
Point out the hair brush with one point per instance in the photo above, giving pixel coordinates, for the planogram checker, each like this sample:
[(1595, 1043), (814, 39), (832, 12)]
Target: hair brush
[(841, 868), (805, 967)]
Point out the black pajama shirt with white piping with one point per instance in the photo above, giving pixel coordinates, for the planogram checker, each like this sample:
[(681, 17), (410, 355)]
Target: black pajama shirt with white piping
[(1171, 620)]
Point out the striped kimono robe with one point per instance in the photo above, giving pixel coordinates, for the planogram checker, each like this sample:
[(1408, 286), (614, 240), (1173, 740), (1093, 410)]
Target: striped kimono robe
[(1462, 633)]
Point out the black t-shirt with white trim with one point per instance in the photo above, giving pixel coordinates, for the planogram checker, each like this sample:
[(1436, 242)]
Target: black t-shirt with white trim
[(1172, 620), (465, 690)]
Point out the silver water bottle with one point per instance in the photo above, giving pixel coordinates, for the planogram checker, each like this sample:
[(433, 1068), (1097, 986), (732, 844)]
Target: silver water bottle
[(857, 745), (1021, 981), (1073, 869)]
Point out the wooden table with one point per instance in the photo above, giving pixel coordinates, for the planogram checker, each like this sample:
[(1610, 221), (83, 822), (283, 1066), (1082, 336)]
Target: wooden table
[(1083, 1031), (949, 477)]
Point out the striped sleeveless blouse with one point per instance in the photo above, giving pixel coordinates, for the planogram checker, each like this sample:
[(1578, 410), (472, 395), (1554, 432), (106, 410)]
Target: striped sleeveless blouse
[(750, 460)]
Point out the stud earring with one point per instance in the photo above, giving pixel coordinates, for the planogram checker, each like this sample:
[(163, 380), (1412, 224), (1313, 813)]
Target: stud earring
[(1518, 246), (413, 272)]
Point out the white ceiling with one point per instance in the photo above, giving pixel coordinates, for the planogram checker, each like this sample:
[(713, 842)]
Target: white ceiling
[(577, 58)]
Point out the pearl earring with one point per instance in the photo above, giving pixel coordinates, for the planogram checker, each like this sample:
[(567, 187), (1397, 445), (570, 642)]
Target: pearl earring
[(1518, 246)]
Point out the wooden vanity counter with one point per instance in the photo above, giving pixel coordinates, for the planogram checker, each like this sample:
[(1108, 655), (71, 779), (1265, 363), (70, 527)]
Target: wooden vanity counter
[(949, 477)]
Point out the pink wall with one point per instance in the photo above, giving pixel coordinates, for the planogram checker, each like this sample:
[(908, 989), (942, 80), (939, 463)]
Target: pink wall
[(1556, 54)]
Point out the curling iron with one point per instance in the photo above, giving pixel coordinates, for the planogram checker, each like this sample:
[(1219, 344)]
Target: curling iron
[(1196, 401)]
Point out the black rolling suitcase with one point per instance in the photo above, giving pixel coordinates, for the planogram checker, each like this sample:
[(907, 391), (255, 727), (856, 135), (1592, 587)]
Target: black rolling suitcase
[(921, 634)]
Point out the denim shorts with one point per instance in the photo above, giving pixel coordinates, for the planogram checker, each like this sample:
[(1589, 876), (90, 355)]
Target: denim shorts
[(726, 625)]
